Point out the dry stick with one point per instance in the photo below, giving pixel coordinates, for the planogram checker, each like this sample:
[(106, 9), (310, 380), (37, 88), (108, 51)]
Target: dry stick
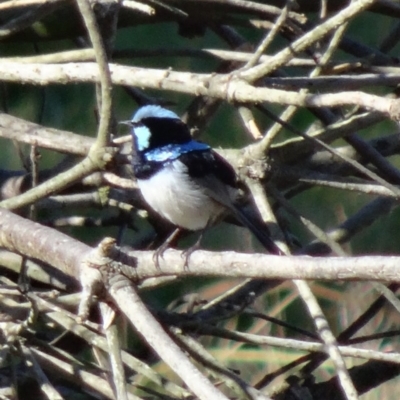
[(368, 376), (230, 379), (268, 378), (135, 5), (366, 316), (87, 380), (289, 112), (328, 338), (306, 41), (78, 220), (174, 11), (219, 86), (12, 4), (383, 268), (388, 294), (374, 336), (267, 215), (268, 10), (207, 53), (324, 83), (350, 388), (92, 338), (249, 290), (257, 265), (365, 149), (383, 166), (346, 184), (300, 345), (365, 217), (12, 262), (59, 182), (309, 299), (269, 37), (249, 123), (114, 351), (373, 155), (103, 134), (28, 18), (359, 323), (355, 164), (20, 218), (320, 234), (66, 254), (360, 220), (55, 248), (264, 45), (240, 295), (46, 387), (296, 149), (150, 255), (279, 322), (89, 199), (125, 295), (96, 158), (34, 134)]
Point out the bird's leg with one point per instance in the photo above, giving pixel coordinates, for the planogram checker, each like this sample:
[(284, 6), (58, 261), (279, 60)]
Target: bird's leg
[(188, 252), (160, 251)]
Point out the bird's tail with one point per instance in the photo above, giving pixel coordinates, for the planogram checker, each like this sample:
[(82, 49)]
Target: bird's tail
[(258, 228)]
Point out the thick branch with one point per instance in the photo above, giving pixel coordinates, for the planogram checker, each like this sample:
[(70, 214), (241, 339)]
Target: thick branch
[(240, 265), (213, 85), (42, 243), (66, 254), (38, 135)]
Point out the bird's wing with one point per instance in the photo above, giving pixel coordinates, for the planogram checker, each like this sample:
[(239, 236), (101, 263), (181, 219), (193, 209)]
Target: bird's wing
[(213, 174), (217, 177)]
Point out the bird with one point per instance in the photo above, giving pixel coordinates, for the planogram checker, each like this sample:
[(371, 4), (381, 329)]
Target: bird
[(184, 180)]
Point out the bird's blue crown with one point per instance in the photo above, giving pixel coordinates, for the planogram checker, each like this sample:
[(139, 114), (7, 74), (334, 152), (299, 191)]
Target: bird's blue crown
[(160, 135)]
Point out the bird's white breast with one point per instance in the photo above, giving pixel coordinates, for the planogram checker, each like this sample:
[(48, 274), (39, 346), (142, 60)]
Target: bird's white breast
[(172, 194)]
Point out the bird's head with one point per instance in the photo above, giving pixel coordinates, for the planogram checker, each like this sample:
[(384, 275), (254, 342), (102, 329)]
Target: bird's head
[(155, 126)]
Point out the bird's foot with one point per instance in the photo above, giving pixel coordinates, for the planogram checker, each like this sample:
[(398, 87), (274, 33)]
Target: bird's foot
[(187, 253), (159, 253)]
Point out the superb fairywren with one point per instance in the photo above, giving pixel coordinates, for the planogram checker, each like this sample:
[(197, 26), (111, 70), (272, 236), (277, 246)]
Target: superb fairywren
[(184, 180)]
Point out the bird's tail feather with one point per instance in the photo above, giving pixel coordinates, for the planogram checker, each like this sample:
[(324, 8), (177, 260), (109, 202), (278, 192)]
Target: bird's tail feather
[(259, 230)]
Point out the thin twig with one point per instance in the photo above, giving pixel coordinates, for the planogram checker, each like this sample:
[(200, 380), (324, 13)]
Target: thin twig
[(325, 333), (269, 37), (114, 347), (103, 134), (45, 385), (318, 33)]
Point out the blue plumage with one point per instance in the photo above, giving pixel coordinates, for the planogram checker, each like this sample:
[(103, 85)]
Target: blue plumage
[(171, 152), (184, 180)]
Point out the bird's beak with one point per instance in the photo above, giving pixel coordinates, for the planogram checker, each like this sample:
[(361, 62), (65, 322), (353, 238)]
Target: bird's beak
[(127, 122)]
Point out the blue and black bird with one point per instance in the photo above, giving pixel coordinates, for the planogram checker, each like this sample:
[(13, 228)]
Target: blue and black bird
[(184, 180)]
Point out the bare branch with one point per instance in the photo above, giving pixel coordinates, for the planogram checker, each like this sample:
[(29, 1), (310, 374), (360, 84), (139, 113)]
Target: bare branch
[(223, 87)]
